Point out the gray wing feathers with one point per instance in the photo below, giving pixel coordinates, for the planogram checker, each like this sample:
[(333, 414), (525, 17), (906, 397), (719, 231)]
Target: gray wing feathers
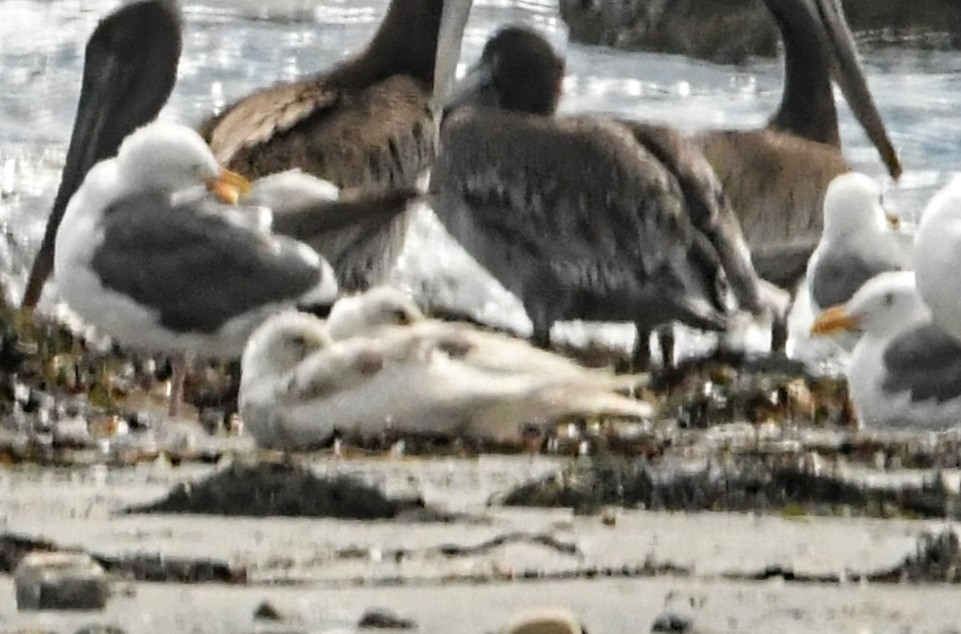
[(839, 274), (593, 205), (197, 270), (926, 361)]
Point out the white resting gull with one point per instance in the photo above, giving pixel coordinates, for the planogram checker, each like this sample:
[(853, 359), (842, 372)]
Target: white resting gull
[(299, 384)]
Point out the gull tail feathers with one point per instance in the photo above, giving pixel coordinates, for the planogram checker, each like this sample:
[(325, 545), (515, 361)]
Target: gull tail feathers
[(592, 399)]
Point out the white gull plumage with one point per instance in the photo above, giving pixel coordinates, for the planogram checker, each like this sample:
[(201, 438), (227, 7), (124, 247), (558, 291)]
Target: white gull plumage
[(860, 240), (299, 384), (144, 256), (166, 159), (938, 256), (905, 370)]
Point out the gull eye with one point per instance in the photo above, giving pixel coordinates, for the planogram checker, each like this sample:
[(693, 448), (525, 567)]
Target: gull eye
[(889, 299), (299, 341), (401, 317)]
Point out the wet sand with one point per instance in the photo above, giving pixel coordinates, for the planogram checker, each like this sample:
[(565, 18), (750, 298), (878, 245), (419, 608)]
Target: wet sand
[(323, 574)]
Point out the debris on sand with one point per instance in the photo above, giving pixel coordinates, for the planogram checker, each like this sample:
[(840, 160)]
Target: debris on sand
[(384, 620), (936, 560), (138, 566), (60, 581), (739, 483), (284, 489)]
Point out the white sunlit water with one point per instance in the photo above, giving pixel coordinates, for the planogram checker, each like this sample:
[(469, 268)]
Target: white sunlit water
[(232, 47)]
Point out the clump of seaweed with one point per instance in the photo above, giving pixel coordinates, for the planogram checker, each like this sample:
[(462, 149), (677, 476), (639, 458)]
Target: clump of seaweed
[(740, 483), (938, 558), (283, 489), (702, 393)]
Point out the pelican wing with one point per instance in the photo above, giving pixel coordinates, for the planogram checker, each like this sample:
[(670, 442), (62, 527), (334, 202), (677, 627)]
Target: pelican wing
[(709, 208), (259, 117), (197, 270), (580, 196), (572, 179), (378, 136)]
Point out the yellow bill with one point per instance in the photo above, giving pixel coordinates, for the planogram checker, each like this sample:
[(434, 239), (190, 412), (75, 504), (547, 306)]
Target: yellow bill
[(835, 319), (229, 186)]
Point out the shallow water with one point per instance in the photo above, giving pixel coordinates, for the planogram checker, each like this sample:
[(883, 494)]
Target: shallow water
[(233, 47)]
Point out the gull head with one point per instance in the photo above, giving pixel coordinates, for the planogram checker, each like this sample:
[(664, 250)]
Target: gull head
[(853, 204), (170, 157), (883, 306), (380, 306), (280, 344)]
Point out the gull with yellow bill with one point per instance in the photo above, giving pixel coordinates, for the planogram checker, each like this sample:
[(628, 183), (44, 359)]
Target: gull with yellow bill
[(143, 252), (905, 370)]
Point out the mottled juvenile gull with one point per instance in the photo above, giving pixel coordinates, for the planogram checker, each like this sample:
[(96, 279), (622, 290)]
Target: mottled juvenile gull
[(365, 313), (905, 370), (299, 385)]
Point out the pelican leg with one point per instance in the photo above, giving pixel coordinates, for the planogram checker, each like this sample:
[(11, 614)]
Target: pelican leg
[(779, 334), (179, 365), (666, 340), (641, 354), (541, 336)]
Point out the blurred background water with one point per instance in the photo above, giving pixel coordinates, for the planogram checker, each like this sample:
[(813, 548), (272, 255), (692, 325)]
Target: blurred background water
[(234, 46)]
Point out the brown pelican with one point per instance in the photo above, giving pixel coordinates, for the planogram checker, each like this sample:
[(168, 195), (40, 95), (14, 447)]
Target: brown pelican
[(129, 71), (136, 47), (776, 177), (582, 217), (364, 123), (153, 266)]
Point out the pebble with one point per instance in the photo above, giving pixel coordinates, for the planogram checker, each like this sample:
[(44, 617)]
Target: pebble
[(60, 581), (545, 621), (384, 619), (267, 612), (100, 628), (673, 622)]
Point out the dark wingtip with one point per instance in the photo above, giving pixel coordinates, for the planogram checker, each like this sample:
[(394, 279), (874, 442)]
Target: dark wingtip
[(360, 209)]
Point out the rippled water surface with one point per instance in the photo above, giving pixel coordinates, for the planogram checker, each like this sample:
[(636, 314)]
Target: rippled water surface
[(234, 47)]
